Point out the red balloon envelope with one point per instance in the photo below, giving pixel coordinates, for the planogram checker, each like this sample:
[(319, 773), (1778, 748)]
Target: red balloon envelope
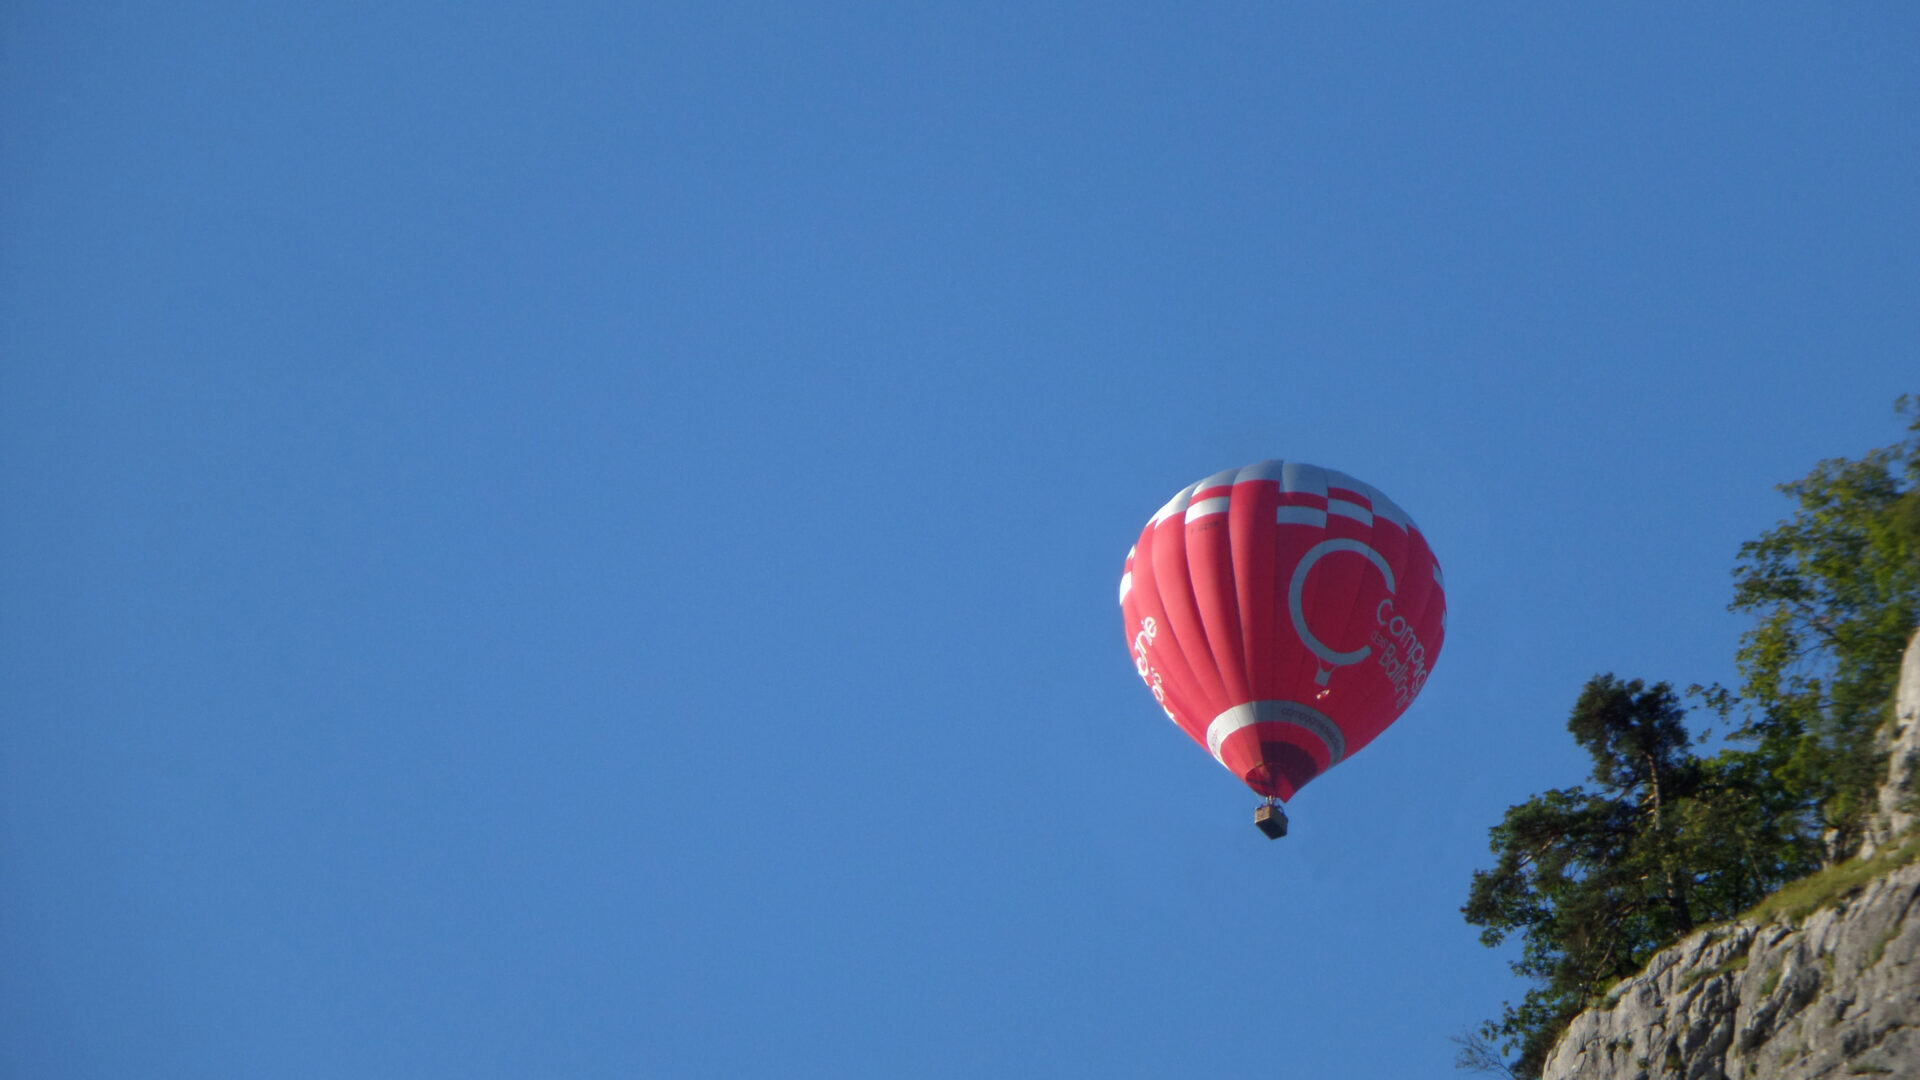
[(1283, 615)]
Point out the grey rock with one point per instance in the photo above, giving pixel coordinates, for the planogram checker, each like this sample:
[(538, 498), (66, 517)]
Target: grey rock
[(1836, 996), (1895, 813)]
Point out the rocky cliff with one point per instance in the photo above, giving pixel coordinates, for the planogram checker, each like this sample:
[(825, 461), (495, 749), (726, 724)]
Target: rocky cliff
[(1832, 993)]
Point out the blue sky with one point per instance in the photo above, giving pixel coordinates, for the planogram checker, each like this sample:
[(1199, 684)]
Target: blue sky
[(582, 539)]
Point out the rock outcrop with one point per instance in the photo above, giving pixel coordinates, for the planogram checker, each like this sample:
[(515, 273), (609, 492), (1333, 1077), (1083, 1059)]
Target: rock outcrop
[(1899, 796), (1836, 995)]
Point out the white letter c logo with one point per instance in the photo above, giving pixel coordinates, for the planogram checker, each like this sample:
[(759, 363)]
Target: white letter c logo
[(1294, 589)]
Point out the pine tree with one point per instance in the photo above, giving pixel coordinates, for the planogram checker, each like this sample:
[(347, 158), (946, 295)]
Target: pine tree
[(1596, 879)]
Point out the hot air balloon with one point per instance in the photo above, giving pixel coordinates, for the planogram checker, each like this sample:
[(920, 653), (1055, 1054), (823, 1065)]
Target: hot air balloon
[(1283, 615)]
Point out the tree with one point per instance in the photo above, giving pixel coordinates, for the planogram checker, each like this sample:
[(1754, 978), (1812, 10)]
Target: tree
[(1836, 592), (1478, 1055), (1596, 879)]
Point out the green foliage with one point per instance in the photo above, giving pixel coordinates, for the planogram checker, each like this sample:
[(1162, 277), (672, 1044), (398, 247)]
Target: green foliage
[(1835, 591), (1878, 950), (1593, 880), (1809, 894)]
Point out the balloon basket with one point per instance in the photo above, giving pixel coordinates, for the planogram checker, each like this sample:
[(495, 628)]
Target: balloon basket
[(1271, 820)]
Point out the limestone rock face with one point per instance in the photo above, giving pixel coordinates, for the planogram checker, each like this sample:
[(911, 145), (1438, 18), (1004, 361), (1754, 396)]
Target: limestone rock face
[(1838, 996), (1895, 813)]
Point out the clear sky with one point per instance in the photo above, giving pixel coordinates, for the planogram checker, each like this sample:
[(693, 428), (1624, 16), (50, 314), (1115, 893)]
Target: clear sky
[(581, 539)]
